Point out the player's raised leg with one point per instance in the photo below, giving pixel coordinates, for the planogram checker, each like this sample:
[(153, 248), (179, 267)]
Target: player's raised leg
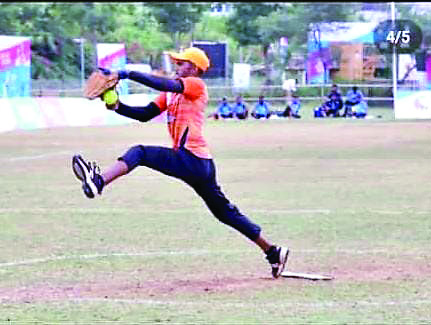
[(93, 181), (89, 174)]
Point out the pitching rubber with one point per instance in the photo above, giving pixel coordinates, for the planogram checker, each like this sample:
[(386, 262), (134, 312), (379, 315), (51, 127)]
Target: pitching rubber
[(307, 276)]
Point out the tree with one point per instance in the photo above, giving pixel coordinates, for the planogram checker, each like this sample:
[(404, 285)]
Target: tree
[(177, 18), (140, 31), (244, 28), (420, 17), (47, 32), (52, 27)]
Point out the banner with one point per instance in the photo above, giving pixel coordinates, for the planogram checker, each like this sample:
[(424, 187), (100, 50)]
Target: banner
[(241, 75), (113, 57), (29, 113), (413, 104), (15, 60)]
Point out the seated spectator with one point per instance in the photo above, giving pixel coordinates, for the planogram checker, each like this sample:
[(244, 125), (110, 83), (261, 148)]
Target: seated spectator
[(360, 110), (293, 107), (334, 102), (320, 111), (240, 109), (354, 97), (261, 110), (223, 110)]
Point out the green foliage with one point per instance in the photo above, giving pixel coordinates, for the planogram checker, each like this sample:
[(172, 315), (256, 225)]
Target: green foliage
[(177, 18), (141, 34), (243, 25), (214, 28), (211, 28), (420, 18)]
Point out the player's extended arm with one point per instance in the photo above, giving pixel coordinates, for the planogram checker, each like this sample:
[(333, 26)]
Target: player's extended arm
[(150, 80), (153, 81), (140, 113), (144, 113)]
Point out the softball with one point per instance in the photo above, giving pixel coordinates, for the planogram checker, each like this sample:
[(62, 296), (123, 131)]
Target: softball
[(110, 97)]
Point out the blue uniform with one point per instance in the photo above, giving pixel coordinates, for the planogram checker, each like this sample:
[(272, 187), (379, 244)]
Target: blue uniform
[(261, 109), (355, 99), (239, 108), (295, 106), (224, 109)]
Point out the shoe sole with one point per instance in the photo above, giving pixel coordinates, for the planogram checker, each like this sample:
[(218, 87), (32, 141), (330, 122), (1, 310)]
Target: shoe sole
[(77, 168), (284, 254), (82, 173)]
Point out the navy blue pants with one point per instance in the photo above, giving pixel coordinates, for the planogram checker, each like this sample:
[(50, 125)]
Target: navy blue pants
[(197, 172)]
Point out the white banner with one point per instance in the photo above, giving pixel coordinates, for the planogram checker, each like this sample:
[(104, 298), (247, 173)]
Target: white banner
[(413, 104), (31, 113), (241, 75)]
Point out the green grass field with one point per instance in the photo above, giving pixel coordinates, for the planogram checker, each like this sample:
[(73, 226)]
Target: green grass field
[(351, 198)]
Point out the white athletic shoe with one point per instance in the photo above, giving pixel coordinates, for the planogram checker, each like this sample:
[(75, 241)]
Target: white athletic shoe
[(277, 257), (89, 175)]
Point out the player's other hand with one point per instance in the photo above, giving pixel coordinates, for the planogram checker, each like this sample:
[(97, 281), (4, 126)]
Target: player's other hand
[(122, 74), (105, 71)]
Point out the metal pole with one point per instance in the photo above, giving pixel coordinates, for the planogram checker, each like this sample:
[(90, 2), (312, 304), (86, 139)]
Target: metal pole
[(317, 38), (82, 63), (394, 56)]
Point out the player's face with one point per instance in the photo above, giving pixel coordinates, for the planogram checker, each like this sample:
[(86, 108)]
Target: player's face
[(185, 69)]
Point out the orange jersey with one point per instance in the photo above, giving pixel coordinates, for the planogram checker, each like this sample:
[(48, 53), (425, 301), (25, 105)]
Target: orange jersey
[(186, 116)]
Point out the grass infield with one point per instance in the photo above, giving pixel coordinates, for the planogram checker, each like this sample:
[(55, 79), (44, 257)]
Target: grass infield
[(351, 198)]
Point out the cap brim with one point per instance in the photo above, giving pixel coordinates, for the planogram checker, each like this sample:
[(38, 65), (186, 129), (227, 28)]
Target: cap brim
[(177, 56)]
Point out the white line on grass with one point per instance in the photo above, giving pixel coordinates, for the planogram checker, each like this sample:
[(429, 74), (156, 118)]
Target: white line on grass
[(184, 209), (194, 253), (107, 255), (291, 211), (158, 210), (35, 157), (257, 304)]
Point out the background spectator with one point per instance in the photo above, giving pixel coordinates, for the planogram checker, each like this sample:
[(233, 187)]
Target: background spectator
[(334, 104), (360, 110), (240, 109), (293, 107), (354, 97), (261, 110), (223, 110)]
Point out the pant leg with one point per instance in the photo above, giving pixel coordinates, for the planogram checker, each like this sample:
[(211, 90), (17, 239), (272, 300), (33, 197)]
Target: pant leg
[(176, 163), (200, 174), (226, 212), (222, 208)]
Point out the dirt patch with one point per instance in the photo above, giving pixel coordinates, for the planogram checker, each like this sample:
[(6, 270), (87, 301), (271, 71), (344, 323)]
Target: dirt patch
[(121, 286), (122, 289)]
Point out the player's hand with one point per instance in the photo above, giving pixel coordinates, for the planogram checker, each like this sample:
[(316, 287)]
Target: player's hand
[(122, 74), (98, 83), (105, 71)]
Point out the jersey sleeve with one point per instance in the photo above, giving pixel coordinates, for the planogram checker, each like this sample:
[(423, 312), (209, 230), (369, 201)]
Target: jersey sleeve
[(193, 87), (161, 102)]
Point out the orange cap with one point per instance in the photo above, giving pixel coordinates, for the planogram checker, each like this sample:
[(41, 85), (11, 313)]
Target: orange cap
[(193, 55)]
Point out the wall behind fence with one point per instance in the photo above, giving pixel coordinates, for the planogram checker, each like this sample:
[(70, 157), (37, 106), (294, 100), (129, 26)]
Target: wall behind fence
[(29, 113)]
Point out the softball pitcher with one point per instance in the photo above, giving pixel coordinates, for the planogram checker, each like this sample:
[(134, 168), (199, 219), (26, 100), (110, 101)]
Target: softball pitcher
[(185, 98)]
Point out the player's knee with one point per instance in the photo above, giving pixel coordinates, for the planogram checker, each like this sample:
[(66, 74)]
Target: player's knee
[(134, 156)]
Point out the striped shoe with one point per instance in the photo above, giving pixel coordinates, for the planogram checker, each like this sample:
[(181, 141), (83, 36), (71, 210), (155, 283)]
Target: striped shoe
[(89, 175)]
